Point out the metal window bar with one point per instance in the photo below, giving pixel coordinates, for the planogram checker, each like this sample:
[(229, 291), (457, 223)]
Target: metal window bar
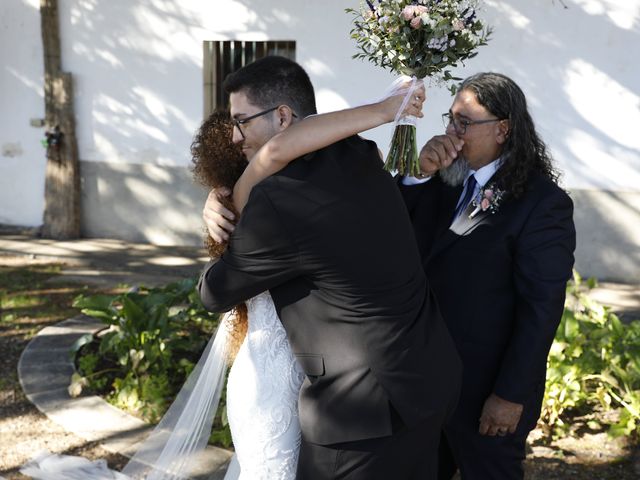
[(224, 57)]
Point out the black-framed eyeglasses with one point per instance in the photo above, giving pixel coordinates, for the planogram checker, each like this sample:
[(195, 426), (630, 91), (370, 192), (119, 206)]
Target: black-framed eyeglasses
[(237, 122), (460, 125)]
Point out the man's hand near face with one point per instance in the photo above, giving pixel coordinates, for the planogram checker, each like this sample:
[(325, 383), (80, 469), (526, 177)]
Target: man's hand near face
[(439, 152)]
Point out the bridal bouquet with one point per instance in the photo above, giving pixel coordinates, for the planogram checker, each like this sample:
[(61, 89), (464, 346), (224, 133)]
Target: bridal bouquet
[(421, 39)]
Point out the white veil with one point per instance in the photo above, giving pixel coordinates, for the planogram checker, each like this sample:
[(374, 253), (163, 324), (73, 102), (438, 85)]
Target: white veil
[(172, 449)]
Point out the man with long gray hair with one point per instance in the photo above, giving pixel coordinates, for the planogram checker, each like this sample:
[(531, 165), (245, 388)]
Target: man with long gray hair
[(497, 237)]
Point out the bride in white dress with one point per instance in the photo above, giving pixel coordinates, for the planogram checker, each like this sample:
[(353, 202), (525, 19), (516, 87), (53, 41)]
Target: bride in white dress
[(265, 379), (262, 398)]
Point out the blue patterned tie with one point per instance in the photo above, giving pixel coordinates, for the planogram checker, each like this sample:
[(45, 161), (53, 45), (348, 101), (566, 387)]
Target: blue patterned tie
[(468, 195)]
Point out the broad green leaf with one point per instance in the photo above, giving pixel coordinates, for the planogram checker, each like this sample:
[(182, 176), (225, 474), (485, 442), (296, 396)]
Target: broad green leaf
[(79, 343)]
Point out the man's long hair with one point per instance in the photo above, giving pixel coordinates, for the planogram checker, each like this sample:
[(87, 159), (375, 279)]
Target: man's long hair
[(218, 162), (524, 152), (273, 81)]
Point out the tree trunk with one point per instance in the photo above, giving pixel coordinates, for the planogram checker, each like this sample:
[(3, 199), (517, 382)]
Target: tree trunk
[(62, 187)]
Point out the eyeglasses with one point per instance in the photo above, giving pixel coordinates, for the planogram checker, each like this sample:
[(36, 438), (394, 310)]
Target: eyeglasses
[(241, 121), (460, 125)]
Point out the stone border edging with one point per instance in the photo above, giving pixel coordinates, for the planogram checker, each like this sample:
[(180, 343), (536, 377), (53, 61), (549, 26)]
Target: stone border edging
[(44, 370)]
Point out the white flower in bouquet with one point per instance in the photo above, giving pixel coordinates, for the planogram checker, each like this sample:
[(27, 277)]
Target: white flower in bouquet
[(418, 38)]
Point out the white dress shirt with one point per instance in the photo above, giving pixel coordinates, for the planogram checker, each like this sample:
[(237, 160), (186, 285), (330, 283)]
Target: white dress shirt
[(483, 175)]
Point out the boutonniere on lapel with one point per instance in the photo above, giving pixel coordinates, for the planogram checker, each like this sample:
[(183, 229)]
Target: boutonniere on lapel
[(489, 199)]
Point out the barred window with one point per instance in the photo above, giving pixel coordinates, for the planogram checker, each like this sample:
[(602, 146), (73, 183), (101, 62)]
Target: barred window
[(224, 57)]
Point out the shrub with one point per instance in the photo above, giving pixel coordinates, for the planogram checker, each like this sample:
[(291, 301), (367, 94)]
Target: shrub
[(152, 340), (594, 362)]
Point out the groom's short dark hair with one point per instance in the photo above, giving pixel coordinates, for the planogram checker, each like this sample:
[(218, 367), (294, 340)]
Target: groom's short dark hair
[(273, 81)]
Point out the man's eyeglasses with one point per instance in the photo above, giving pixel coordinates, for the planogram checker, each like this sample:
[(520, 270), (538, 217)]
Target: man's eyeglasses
[(460, 125), (241, 121)]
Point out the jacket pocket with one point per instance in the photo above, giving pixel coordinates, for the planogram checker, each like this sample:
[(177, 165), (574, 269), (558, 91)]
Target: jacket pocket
[(312, 364)]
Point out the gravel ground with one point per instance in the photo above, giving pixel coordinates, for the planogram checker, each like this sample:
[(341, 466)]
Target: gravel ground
[(24, 431)]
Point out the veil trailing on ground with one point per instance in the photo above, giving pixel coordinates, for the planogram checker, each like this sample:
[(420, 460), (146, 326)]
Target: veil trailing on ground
[(171, 450)]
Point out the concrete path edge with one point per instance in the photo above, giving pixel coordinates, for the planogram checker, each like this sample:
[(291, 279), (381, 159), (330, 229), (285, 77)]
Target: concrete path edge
[(44, 371)]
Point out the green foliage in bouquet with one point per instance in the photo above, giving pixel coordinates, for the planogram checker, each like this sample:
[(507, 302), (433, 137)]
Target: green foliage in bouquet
[(419, 38), (152, 341), (594, 363)]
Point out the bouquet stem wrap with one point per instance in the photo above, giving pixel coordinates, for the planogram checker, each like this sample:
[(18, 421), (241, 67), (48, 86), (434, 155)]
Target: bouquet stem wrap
[(403, 150)]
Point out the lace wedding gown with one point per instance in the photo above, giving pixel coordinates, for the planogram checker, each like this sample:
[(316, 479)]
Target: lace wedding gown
[(262, 398), (262, 407)]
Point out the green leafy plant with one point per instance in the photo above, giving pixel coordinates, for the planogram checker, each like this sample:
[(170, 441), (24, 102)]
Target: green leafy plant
[(594, 363), (152, 339)]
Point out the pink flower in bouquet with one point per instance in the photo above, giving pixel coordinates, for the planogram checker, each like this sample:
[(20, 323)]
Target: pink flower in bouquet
[(411, 11), (485, 204), (458, 25), (416, 23), (488, 193), (408, 12)]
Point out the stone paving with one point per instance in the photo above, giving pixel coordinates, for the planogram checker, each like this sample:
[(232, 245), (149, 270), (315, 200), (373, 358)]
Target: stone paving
[(109, 262), (44, 371)]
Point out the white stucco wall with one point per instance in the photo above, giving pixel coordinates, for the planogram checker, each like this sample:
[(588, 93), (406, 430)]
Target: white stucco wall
[(137, 67), (22, 160), (577, 69)]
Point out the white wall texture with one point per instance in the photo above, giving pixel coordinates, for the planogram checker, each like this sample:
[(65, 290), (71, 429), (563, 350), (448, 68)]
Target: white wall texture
[(22, 160), (139, 98)]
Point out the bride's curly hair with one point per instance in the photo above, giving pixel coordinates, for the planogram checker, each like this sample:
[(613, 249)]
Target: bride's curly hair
[(218, 162)]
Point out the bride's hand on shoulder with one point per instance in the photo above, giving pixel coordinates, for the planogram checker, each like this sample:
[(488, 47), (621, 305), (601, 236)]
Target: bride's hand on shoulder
[(390, 106), (216, 216)]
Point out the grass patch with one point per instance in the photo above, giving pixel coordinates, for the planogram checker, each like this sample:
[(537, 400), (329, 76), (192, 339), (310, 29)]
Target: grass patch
[(9, 301), (29, 303), (8, 317), (15, 279)]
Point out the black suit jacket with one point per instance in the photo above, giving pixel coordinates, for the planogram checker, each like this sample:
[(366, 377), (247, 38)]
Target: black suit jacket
[(500, 281), (331, 239)]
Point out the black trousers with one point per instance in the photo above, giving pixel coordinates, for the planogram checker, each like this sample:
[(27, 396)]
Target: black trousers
[(481, 457), (408, 454)]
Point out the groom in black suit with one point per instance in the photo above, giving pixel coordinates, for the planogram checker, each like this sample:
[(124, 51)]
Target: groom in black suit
[(497, 237), (330, 238)]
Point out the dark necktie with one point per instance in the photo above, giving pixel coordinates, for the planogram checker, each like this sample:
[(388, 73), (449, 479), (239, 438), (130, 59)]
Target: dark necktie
[(468, 195)]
